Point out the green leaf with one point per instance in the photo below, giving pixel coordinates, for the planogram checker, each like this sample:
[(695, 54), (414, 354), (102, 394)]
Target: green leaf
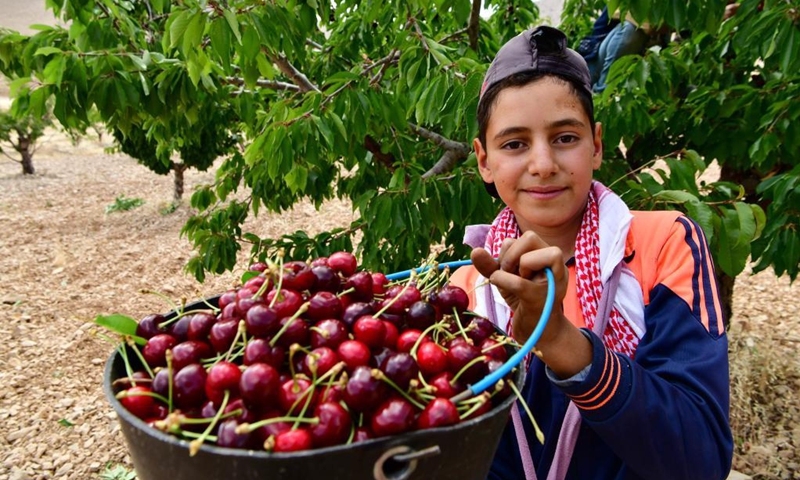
[(178, 27), (47, 51), (65, 423), (120, 324), (230, 16), (248, 275), (675, 196), (194, 32), (761, 220), (747, 223), (220, 36)]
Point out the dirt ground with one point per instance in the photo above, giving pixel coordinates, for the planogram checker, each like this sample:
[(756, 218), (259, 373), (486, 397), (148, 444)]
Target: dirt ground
[(63, 261)]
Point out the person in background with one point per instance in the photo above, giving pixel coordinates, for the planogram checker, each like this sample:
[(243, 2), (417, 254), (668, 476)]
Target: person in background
[(630, 377), (589, 48), (626, 38)]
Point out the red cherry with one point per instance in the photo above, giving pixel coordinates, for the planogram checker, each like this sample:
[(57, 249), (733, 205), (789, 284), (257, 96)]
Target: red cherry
[(444, 387), (361, 283), (259, 385), (431, 359), (258, 350), (293, 441), (290, 393), (379, 283), (222, 335), (226, 299), (362, 434), (138, 403), (189, 386), (262, 321), (257, 267), (492, 348), (459, 354), (323, 305), (354, 354), (150, 326), (370, 330), (343, 262), (356, 310), (296, 332), (407, 340), (479, 329), (319, 262), (288, 303), (393, 417), (363, 392), (223, 376), (440, 412), (188, 352), (227, 436), (245, 299), (328, 333), (391, 336), (200, 326), (452, 297), (324, 358), (297, 276), (333, 427), (155, 350)]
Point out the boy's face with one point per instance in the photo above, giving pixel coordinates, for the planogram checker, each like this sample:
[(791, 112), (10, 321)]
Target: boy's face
[(540, 154)]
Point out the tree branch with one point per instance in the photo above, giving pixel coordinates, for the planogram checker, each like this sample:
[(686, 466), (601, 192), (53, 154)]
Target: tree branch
[(474, 24), (303, 83), (263, 83), (453, 35), (10, 157), (445, 164), (374, 148), (456, 151), (440, 140)]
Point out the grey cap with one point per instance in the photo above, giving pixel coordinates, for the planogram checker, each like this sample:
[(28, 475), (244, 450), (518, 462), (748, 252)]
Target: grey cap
[(540, 49)]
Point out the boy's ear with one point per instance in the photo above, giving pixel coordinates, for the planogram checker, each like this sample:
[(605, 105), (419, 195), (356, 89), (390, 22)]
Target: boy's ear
[(597, 154), (483, 166)]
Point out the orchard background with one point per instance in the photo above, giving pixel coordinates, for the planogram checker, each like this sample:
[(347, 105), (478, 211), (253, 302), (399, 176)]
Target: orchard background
[(63, 259)]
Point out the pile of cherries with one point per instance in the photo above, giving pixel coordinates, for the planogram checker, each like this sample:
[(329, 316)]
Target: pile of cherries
[(313, 354)]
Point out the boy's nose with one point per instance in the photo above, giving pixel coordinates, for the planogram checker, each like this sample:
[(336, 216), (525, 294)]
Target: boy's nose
[(541, 161)]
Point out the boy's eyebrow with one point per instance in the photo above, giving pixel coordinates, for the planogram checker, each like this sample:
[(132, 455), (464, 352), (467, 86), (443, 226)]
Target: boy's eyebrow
[(511, 131), (567, 122)]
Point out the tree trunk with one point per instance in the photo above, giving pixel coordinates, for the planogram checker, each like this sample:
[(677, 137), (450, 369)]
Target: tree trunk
[(178, 169), (24, 149), (726, 284)]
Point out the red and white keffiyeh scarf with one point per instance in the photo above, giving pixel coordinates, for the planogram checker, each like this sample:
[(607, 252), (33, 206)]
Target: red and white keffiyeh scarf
[(619, 335)]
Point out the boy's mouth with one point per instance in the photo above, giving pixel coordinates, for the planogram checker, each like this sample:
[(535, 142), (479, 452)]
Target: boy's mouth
[(544, 192)]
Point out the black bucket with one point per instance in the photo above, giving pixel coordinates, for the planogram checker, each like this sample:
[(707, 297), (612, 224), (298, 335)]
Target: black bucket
[(460, 452)]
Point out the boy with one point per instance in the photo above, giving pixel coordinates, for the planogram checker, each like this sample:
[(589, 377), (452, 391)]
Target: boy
[(630, 378)]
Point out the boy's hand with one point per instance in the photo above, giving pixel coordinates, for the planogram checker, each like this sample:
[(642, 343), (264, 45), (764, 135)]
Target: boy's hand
[(519, 275)]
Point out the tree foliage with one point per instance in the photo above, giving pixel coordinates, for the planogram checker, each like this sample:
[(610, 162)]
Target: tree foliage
[(375, 102)]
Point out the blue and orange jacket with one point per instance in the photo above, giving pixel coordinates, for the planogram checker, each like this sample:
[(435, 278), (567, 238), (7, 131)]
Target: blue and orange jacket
[(661, 415)]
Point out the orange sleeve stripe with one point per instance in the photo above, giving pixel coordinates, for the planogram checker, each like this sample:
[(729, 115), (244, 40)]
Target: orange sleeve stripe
[(715, 304), (606, 364), (611, 395), (604, 392)]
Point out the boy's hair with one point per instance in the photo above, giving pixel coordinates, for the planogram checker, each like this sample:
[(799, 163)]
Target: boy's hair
[(534, 54)]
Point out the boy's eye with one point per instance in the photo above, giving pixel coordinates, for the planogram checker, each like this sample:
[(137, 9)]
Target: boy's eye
[(567, 139), (513, 145)]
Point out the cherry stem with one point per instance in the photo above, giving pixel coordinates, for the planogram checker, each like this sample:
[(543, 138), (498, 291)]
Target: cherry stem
[(539, 434), (421, 337), (249, 427), (128, 393), (460, 326), (352, 434), (382, 376), (299, 312), (280, 282), (187, 433), (239, 332), (169, 380), (499, 344), (395, 298), (135, 349), (466, 367), (124, 354), (165, 298), (195, 445), (345, 292), (482, 284), (478, 405)]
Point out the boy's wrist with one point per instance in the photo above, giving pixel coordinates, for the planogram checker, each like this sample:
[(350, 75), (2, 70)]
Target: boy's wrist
[(565, 350)]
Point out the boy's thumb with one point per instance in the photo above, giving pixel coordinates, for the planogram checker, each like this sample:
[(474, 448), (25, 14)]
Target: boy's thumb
[(483, 262)]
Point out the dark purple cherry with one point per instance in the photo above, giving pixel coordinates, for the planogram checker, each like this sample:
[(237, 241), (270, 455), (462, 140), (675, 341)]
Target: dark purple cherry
[(356, 310), (325, 278), (363, 392), (328, 333), (190, 386), (200, 326), (393, 417), (149, 326), (258, 350), (401, 369), (188, 352), (421, 315), (262, 321), (323, 305)]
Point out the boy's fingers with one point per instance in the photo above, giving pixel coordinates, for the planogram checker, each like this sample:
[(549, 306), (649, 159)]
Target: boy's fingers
[(533, 263), (512, 251), (483, 262)]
